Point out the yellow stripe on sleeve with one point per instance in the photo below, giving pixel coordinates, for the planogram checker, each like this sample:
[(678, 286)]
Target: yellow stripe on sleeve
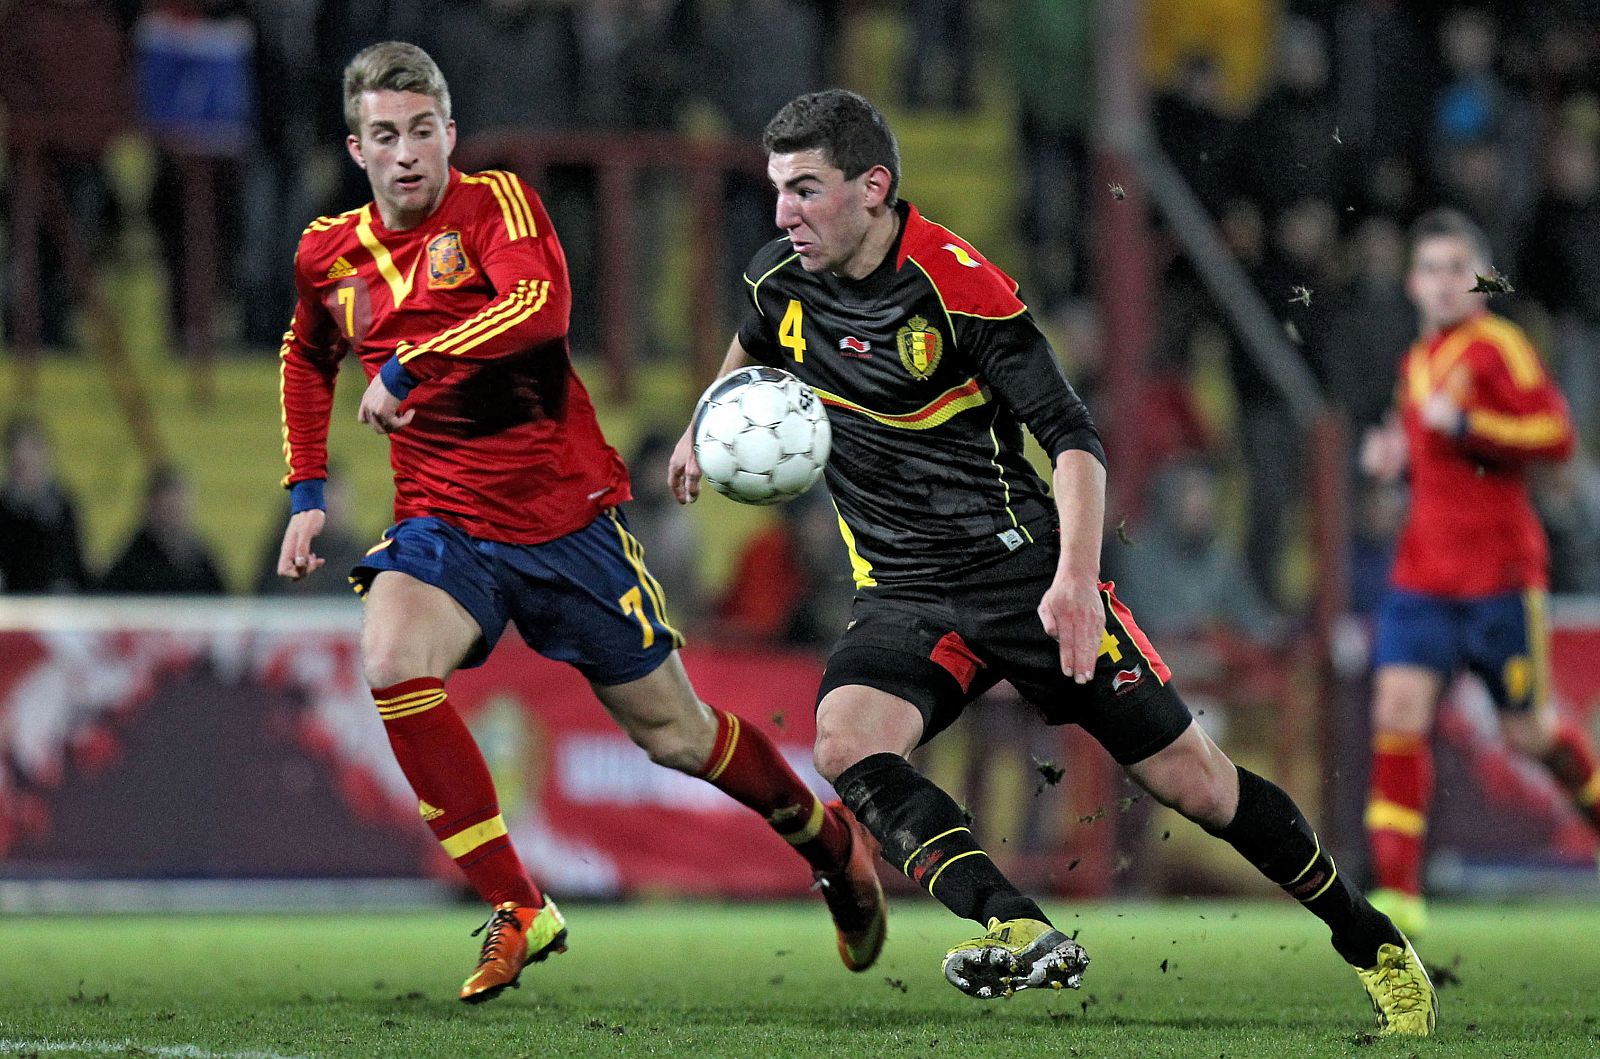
[(519, 202), (513, 222), (1513, 346), (1530, 431)]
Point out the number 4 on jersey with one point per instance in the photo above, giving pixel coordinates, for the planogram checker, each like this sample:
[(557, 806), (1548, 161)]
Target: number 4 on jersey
[(789, 333)]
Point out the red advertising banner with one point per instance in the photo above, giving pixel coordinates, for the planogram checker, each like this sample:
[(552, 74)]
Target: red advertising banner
[(233, 740), (236, 740)]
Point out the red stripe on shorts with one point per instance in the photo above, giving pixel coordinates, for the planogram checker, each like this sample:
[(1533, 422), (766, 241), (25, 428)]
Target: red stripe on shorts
[(1136, 634), (953, 655)]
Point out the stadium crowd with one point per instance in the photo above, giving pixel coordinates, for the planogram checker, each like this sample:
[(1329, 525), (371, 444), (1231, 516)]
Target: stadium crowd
[(1312, 143)]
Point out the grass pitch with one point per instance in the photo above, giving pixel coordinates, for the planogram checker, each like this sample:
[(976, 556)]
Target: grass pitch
[(1186, 979)]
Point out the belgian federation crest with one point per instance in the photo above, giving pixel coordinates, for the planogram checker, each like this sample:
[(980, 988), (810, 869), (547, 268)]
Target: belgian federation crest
[(920, 347), (448, 266)]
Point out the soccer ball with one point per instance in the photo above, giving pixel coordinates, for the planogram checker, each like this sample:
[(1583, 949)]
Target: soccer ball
[(761, 436)]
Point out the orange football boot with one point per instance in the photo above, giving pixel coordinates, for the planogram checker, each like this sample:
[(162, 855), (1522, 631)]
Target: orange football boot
[(855, 897), (517, 937)]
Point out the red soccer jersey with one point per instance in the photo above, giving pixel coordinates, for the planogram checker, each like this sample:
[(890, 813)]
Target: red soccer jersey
[(475, 302), (1472, 530)]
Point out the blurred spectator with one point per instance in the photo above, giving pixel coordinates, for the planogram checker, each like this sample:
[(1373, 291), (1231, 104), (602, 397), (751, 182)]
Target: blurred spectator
[(791, 584), (1053, 114), (277, 198), (339, 546), (166, 555), (1483, 143), (196, 63), (752, 84), (1197, 133), (1567, 497), (666, 529), (65, 90), (1380, 56), (515, 67), (1561, 268), (1182, 574), (1299, 267), (1288, 151), (636, 61), (1372, 325), (1380, 509), (40, 550), (938, 65)]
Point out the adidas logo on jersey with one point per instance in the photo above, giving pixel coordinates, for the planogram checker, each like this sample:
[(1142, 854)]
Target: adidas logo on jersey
[(428, 811), (341, 269)]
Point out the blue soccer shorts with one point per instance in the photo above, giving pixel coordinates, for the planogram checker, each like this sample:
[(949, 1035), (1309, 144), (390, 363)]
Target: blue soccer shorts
[(585, 599), (1501, 638)]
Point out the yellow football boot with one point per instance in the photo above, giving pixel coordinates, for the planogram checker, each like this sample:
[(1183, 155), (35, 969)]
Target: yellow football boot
[(1401, 993), (1014, 955)]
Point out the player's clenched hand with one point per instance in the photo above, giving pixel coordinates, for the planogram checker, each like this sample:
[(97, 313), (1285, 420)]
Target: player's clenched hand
[(683, 472), (1383, 452), (1073, 614), (380, 409), (295, 558)]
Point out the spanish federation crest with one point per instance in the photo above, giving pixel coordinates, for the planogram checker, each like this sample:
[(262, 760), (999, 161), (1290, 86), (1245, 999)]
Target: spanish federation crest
[(448, 266), (920, 347)]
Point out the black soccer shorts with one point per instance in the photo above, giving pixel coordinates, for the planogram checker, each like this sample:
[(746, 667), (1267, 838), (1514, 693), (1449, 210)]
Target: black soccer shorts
[(941, 645)]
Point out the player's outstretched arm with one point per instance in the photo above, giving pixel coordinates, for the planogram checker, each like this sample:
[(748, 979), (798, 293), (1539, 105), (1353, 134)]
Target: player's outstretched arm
[(1071, 610), (296, 560), (683, 471)]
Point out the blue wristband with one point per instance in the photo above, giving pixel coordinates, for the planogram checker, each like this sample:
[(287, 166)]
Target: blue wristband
[(306, 495), (397, 379)]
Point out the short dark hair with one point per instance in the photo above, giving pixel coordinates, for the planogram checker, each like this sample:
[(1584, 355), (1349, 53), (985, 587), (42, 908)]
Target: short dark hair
[(1446, 223), (852, 133)]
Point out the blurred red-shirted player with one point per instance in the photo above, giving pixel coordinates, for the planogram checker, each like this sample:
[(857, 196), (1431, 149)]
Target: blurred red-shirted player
[(452, 290), (1475, 409)]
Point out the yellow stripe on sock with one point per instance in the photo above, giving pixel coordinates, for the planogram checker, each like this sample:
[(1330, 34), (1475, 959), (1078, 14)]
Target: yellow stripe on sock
[(1324, 888), (952, 860), (424, 707), (1391, 816), (1309, 863), (727, 753), (813, 826), (461, 843), (411, 706), (905, 869), (1396, 742)]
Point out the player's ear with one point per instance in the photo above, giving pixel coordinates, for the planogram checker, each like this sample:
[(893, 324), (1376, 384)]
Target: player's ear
[(450, 136), (875, 186), (352, 143)]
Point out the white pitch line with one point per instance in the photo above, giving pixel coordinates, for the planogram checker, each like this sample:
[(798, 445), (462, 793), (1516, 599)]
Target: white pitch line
[(123, 1047)]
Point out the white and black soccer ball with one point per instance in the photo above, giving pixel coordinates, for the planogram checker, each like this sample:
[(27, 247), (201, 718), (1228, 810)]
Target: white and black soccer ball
[(761, 436)]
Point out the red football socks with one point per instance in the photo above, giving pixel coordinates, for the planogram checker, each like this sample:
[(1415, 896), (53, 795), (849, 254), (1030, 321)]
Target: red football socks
[(458, 802), (746, 765), (1400, 790), (1571, 761)]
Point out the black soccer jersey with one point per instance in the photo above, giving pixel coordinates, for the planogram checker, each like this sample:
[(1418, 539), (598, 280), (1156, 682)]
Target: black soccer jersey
[(930, 367)]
